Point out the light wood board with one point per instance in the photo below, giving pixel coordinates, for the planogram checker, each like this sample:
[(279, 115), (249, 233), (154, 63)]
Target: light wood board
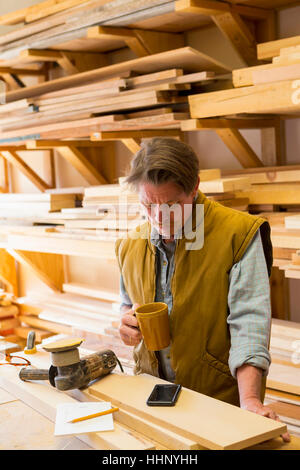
[(195, 416)]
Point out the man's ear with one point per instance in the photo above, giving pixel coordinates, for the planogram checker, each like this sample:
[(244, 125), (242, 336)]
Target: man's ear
[(196, 187)]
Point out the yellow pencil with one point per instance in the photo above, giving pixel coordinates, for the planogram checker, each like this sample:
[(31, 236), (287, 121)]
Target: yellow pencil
[(101, 413)]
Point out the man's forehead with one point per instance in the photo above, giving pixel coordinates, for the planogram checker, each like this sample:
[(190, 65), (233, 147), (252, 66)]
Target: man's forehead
[(162, 193)]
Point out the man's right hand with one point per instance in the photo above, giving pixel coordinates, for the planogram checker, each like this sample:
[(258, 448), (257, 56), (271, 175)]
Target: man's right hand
[(129, 328)]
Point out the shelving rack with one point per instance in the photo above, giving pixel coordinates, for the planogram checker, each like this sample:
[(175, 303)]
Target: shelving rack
[(82, 78)]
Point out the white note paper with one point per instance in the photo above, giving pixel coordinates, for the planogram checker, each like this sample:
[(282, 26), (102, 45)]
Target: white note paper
[(67, 411)]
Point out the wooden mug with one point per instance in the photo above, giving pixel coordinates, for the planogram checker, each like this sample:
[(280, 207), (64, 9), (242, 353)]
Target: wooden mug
[(153, 320)]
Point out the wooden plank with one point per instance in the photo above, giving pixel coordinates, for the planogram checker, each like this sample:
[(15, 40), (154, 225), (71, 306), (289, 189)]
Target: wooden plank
[(186, 58), (144, 134), (271, 196), (22, 332), (249, 429), (272, 174), (45, 325), (279, 290), (8, 323), (292, 222), (267, 50), (88, 291), (255, 75), (282, 239), (6, 397), (202, 7), (44, 399), (38, 436), (275, 98), (283, 378), (9, 311), (288, 72), (208, 124), (50, 10), (224, 184), (73, 129), (50, 200), (62, 245)]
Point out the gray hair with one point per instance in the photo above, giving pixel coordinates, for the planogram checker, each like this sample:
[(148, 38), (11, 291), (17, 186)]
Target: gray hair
[(162, 160)]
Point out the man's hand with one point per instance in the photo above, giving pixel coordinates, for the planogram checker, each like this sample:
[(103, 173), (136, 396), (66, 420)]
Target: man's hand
[(129, 328), (256, 406), (249, 383)]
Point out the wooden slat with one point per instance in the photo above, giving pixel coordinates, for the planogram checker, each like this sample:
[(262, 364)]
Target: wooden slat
[(270, 49), (274, 98)]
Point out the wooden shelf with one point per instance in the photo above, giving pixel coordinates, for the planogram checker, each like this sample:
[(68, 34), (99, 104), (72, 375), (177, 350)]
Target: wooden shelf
[(103, 249)]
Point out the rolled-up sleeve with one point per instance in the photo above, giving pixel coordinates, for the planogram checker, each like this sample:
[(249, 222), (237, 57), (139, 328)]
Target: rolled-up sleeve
[(249, 305)]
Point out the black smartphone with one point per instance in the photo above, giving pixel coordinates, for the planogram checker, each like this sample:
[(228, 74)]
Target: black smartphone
[(164, 395)]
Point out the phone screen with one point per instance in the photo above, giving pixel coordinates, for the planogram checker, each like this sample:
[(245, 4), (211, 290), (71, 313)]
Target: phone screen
[(164, 395)]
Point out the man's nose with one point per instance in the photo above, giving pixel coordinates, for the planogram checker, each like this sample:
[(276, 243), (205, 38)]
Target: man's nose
[(157, 212)]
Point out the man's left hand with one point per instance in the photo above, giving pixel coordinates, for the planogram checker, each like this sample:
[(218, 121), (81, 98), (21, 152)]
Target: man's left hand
[(256, 406)]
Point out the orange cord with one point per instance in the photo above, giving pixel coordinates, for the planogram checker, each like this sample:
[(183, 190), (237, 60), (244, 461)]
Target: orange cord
[(8, 358)]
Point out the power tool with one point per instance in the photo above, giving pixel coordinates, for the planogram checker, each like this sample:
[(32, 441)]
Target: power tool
[(68, 371)]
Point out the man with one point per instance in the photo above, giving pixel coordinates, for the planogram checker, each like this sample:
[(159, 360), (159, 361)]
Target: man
[(218, 294)]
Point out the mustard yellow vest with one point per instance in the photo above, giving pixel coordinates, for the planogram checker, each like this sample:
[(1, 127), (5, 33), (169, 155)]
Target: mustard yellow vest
[(199, 331)]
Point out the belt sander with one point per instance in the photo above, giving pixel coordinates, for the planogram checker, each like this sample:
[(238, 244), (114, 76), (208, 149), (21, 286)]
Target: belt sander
[(67, 370)]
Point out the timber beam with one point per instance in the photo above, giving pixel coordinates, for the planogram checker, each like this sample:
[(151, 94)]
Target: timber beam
[(141, 42), (236, 143), (71, 62), (237, 23), (8, 272), (12, 157), (132, 139), (79, 161), (48, 267)]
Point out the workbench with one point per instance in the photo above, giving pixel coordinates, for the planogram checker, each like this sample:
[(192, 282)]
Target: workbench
[(25, 406), (15, 434)]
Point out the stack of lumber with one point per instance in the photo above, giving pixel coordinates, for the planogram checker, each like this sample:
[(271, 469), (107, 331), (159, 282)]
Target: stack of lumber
[(271, 185), (289, 236), (64, 25), (52, 22), (80, 310), (263, 89), (8, 315), (283, 385), (227, 191), (285, 343), (55, 241), (275, 195), (105, 99), (108, 212), (34, 204)]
